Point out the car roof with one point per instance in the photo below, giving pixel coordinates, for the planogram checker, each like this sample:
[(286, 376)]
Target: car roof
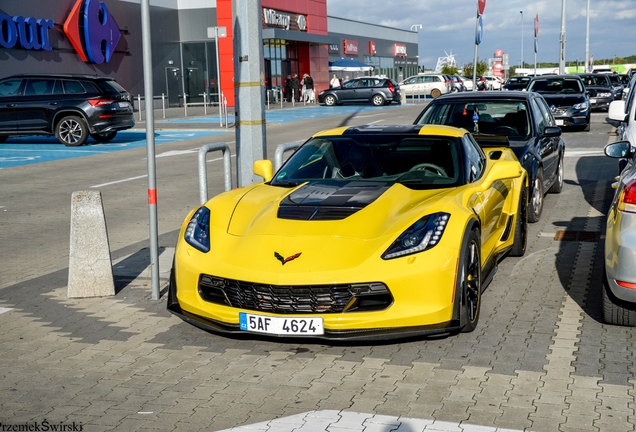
[(472, 96), (397, 130), (58, 75)]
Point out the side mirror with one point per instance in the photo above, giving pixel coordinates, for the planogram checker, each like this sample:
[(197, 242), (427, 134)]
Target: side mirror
[(552, 131), (617, 111), (264, 169), (619, 149)]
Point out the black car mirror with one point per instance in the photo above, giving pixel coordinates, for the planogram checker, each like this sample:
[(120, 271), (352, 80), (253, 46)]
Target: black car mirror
[(619, 149), (552, 131)]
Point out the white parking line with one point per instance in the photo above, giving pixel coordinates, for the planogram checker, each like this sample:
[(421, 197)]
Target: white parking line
[(120, 181), (372, 115), (3, 310)]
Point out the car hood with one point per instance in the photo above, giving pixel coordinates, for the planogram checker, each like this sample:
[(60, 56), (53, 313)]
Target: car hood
[(360, 210), (563, 99)]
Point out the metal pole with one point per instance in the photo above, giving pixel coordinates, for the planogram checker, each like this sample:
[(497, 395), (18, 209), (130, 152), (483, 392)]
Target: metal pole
[(139, 105), (218, 73), (163, 105), (150, 147), (475, 58), (587, 38), (521, 64), (562, 39)]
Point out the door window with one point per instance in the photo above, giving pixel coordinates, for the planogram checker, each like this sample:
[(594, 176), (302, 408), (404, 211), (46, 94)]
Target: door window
[(10, 87)]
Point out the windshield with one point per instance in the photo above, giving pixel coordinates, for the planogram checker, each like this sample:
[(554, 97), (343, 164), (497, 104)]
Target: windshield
[(556, 86), (418, 162), (596, 80), (494, 117)]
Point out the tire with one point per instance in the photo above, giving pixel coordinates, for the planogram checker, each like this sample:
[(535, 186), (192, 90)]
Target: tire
[(435, 93), (470, 280), (587, 126), (378, 100), (616, 311), (71, 131), (521, 226), (3, 138), (557, 187), (535, 205), (330, 100), (104, 137)]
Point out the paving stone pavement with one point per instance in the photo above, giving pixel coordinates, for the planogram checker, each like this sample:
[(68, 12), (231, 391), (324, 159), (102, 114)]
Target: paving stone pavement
[(541, 358)]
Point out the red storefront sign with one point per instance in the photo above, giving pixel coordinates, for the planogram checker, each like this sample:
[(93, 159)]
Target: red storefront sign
[(399, 50), (350, 47), (372, 50)]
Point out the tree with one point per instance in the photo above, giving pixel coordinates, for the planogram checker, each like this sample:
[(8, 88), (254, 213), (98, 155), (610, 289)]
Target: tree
[(449, 70), (482, 68)]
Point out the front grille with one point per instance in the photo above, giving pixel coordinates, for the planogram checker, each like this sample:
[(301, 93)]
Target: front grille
[(315, 212), (298, 299), (560, 110)]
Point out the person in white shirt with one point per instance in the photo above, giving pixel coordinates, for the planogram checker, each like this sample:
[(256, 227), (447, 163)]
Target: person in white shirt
[(335, 82)]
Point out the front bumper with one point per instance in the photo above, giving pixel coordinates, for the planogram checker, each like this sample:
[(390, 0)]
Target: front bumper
[(602, 103)]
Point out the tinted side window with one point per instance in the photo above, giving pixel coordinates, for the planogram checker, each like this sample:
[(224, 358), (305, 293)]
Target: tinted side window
[(73, 87), (91, 87), (538, 116), (475, 158), (10, 87), (40, 86), (545, 111)]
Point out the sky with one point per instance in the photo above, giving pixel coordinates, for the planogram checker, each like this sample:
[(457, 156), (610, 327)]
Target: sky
[(449, 26)]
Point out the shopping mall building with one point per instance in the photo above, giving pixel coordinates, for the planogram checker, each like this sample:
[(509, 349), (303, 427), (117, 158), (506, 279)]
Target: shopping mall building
[(105, 38)]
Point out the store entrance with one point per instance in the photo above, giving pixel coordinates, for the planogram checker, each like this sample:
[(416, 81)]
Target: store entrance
[(200, 81)]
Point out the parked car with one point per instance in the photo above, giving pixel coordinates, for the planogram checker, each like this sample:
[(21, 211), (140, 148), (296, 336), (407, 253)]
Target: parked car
[(521, 118), (433, 85), (624, 112), (516, 83), (617, 85), (337, 244), (457, 84), (566, 95), (492, 83), (379, 91), (468, 83), (481, 82), (619, 276), (71, 107), (599, 89)]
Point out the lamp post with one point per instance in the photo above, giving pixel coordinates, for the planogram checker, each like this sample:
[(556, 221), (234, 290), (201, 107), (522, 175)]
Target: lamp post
[(562, 40), (521, 64)]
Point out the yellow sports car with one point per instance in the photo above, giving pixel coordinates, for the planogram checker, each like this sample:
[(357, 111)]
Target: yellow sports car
[(364, 233)]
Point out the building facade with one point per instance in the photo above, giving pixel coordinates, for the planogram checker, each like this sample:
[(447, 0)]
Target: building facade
[(192, 44)]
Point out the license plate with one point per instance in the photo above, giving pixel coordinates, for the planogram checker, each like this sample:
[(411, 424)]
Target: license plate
[(559, 122), (592, 101), (124, 104), (281, 326)]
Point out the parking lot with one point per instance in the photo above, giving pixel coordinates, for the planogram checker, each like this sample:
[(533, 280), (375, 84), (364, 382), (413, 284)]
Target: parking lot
[(541, 358)]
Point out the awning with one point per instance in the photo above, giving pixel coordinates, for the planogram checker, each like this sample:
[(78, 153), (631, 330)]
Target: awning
[(349, 66)]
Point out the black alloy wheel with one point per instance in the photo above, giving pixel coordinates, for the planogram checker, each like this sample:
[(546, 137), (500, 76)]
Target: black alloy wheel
[(470, 278), (104, 136), (71, 131), (557, 187), (521, 226)]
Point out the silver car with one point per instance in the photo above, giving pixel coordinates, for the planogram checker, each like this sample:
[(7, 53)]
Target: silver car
[(619, 282)]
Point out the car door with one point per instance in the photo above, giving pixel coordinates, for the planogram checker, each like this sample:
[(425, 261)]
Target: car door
[(10, 93), (347, 92), (364, 90), (548, 146), (37, 104)]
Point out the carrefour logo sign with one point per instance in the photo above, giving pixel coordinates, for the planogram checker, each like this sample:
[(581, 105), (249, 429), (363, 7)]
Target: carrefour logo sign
[(90, 28), (92, 31)]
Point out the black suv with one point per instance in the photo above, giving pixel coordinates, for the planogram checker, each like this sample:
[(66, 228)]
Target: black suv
[(71, 107), (567, 97), (599, 89), (377, 90)]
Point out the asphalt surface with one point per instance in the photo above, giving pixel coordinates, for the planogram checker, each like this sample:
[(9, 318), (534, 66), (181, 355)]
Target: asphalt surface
[(541, 358)]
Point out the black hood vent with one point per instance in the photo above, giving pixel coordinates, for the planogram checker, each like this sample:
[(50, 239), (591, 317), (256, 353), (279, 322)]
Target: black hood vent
[(330, 200)]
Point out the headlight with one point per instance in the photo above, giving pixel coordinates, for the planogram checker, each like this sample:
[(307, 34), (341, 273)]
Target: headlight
[(580, 106), (603, 94), (422, 235), (197, 233)]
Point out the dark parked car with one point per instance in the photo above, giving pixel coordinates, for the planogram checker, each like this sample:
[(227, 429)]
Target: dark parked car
[(516, 83), (617, 85), (599, 89), (521, 118), (377, 90), (71, 107), (567, 98)]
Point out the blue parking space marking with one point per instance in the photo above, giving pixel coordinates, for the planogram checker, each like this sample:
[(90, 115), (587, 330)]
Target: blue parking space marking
[(29, 150), (286, 115)]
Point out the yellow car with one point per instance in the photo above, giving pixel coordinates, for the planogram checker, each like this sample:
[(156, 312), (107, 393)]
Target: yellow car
[(367, 232)]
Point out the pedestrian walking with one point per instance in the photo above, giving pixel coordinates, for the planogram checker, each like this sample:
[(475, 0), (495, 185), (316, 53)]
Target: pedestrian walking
[(308, 88), (295, 87), (335, 82)]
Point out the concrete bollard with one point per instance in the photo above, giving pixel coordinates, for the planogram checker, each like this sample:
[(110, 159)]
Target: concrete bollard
[(90, 270)]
